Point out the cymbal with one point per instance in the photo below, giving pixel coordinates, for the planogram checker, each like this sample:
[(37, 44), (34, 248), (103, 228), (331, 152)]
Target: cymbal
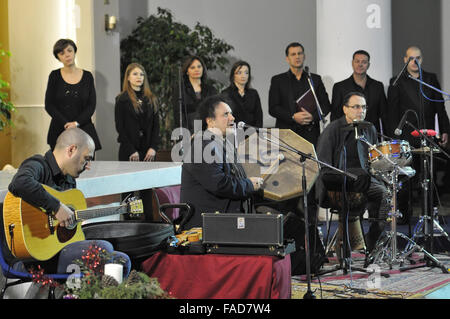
[(425, 149), (359, 124)]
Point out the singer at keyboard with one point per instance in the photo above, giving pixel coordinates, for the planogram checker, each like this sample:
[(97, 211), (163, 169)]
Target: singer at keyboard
[(212, 180)]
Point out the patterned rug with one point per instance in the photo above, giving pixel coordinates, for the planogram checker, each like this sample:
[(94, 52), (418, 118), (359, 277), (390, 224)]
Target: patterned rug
[(413, 283)]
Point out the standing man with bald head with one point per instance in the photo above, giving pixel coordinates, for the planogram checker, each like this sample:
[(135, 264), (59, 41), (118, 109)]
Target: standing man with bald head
[(407, 95)]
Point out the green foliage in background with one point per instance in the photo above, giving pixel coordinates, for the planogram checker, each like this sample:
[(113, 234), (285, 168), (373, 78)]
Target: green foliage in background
[(6, 107), (160, 44)]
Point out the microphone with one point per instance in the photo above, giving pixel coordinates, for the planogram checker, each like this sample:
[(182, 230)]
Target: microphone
[(356, 128), (307, 71), (242, 125), (415, 133), (401, 72), (398, 131)]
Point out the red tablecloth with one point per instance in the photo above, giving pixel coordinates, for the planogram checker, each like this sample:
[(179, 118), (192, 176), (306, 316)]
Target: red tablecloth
[(215, 276)]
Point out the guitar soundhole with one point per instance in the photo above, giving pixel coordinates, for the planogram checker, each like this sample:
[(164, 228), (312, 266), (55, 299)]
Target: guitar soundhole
[(65, 234)]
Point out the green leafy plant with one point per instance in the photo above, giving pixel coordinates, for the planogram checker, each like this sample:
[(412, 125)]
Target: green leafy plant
[(6, 107), (159, 44)]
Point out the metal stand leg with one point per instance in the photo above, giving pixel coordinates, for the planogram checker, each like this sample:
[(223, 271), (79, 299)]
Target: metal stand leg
[(386, 247)]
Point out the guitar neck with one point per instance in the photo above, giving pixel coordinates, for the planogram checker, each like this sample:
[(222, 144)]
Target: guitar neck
[(101, 212)]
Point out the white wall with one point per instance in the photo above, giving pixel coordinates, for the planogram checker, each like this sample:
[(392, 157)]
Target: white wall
[(259, 30), (107, 78), (345, 26), (34, 27)]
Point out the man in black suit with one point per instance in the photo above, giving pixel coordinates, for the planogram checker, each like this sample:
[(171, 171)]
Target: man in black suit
[(212, 180), (285, 89), (407, 95), (359, 81)]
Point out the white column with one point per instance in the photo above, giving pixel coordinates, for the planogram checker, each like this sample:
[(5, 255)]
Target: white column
[(345, 26)]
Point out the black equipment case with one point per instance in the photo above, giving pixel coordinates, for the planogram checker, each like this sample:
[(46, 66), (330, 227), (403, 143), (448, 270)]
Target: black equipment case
[(250, 234)]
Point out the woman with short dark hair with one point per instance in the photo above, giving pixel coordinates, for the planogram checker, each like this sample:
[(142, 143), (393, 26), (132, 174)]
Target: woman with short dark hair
[(70, 98)]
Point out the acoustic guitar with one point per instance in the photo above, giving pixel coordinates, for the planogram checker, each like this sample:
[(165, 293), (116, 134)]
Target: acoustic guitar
[(30, 232)]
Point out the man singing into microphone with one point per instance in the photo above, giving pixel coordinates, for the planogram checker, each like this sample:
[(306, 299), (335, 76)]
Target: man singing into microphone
[(285, 89), (406, 95), (341, 149), (217, 182)]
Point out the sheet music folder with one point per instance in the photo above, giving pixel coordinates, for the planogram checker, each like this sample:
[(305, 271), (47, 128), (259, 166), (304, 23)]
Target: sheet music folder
[(307, 102)]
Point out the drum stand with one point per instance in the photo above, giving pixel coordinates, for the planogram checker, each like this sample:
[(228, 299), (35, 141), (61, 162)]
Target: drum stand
[(427, 219), (302, 159), (386, 247)]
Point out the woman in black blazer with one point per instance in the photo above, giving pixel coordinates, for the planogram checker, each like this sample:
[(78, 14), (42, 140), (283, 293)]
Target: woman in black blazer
[(246, 104), (70, 97), (136, 117), (194, 90)]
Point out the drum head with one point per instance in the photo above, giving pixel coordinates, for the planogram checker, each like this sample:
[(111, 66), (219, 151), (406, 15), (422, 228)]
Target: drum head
[(385, 155)]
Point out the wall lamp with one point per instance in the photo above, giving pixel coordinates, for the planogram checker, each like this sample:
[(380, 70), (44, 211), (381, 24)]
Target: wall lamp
[(110, 23)]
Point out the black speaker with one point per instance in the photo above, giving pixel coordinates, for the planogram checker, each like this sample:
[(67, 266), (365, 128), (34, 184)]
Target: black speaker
[(294, 228)]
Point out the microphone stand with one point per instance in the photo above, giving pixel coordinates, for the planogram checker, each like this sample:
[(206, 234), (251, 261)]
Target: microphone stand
[(428, 196), (403, 70), (426, 208), (303, 157), (180, 105), (319, 109)]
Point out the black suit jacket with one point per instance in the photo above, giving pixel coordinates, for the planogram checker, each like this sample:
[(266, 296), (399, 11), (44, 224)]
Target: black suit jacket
[(375, 99), (190, 103), (406, 95), (282, 105), (209, 187), (127, 125)]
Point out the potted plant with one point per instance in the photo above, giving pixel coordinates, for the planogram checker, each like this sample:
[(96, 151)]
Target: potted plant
[(160, 44), (6, 107)]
